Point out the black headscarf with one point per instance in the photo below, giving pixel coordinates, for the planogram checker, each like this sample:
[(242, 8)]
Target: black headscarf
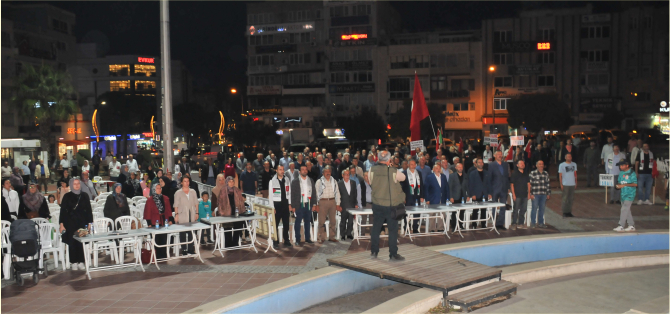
[(158, 199)]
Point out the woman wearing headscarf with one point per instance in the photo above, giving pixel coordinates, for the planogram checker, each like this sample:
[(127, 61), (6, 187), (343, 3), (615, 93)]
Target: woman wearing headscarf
[(158, 209), (17, 181), (116, 204), (229, 198), (128, 187), (168, 190), (150, 172), (156, 180), (186, 210), (75, 214), (34, 205), (214, 196)]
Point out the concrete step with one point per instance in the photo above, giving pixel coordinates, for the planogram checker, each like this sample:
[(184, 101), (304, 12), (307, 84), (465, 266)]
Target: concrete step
[(483, 294)]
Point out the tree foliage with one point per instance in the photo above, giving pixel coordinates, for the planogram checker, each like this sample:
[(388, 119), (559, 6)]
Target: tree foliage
[(536, 112), (248, 132), (194, 119), (611, 119), (364, 126), (400, 121), (44, 96)]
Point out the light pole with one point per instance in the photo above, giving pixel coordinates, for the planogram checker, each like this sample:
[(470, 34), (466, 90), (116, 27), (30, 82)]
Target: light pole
[(166, 83), (492, 70), (234, 91)]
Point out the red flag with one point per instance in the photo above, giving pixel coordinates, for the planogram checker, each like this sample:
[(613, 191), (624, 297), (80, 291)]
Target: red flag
[(528, 148), (460, 146), (510, 153), (419, 110)]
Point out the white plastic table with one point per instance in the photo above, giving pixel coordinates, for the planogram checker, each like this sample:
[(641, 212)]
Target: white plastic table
[(358, 225), (194, 227), (445, 211), (251, 226), (88, 240)]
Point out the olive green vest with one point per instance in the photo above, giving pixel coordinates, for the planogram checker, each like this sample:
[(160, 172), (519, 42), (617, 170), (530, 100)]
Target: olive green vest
[(380, 186)]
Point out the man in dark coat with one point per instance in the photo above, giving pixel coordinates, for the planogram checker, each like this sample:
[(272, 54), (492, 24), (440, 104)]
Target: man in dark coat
[(499, 186), (479, 181)]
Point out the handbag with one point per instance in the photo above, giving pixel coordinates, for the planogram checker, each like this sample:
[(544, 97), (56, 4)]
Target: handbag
[(145, 256), (398, 212)]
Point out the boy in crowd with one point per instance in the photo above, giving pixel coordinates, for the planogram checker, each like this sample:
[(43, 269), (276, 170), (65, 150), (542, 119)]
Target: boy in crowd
[(205, 210)]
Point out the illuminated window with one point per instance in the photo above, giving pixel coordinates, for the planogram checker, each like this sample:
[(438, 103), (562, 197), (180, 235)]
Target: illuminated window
[(85, 146), (119, 70), (145, 70), (119, 86), (145, 85)]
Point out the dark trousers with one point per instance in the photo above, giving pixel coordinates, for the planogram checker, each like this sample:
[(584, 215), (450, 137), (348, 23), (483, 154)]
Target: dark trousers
[(519, 212), (73, 171), (283, 214), (205, 233), (482, 215), (592, 173), (302, 214), (501, 197), (382, 214), (234, 238), (185, 237), (461, 215), (346, 223), (96, 170)]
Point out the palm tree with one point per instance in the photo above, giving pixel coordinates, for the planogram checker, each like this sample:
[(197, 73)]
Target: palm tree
[(44, 96)]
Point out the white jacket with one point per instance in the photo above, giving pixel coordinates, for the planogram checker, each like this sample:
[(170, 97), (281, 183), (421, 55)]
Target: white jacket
[(274, 190), (114, 169), (132, 165), (12, 199), (38, 171)]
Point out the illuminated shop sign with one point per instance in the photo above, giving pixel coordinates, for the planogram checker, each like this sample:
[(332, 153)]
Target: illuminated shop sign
[(134, 136), (522, 46), (543, 46), (109, 138), (145, 60), (354, 36), (73, 130)]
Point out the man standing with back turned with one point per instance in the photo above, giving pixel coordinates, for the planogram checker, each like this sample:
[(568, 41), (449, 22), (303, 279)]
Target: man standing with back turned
[(386, 192)]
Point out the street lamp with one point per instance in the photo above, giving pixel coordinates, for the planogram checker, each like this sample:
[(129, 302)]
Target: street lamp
[(234, 91), (492, 70)]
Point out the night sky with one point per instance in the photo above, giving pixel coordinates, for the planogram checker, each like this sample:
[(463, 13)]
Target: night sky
[(208, 36)]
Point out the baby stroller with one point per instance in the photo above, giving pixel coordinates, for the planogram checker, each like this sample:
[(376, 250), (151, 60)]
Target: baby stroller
[(25, 239)]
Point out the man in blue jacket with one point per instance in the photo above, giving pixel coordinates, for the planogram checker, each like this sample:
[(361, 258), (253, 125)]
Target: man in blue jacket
[(437, 190), (499, 186), (480, 188)]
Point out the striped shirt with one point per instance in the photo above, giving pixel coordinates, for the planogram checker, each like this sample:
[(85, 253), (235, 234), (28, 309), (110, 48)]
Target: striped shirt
[(539, 183)]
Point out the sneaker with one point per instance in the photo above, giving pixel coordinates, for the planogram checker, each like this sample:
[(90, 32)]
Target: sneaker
[(309, 241), (618, 202), (639, 202), (619, 229), (629, 229), (396, 257), (512, 227), (648, 202), (543, 226), (501, 228), (373, 254), (521, 226), (568, 215), (73, 266), (532, 226), (83, 267), (611, 202)]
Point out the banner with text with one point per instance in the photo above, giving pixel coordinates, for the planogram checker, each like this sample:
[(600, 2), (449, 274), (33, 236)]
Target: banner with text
[(516, 140), (414, 144), (606, 180)]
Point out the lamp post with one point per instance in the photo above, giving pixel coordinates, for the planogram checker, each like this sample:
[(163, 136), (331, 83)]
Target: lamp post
[(492, 70), (234, 91)]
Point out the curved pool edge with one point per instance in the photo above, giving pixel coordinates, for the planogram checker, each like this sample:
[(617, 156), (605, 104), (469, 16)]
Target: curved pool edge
[(421, 300), (332, 282)]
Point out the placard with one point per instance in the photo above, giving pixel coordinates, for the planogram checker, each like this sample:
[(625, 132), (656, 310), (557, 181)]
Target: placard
[(414, 144), (606, 180), (516, 140)]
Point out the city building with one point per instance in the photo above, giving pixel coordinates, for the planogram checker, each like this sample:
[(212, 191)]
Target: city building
[(449, 67), (138, 75), (33, 34)]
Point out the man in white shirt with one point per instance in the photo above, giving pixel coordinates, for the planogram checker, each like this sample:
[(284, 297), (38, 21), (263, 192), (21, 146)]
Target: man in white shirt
[(6, 170), (607, 150), (328, 201), (487, 156), (611, 167), (114, 169), (132, 164), (11, 197)]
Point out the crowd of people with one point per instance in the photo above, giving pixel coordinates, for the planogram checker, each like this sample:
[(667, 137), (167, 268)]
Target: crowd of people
[(309, 182)]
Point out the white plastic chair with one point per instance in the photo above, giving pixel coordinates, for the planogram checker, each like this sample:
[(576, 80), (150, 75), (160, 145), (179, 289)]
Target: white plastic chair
[(55, 216), (139, 214), (138, 198), (124, 223), (98, 215), (6, 250), (103, 225), (97, 178), (40, 221), (50, 240)]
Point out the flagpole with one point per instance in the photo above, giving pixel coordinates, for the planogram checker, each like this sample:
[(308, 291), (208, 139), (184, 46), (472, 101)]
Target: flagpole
[(431, 122)]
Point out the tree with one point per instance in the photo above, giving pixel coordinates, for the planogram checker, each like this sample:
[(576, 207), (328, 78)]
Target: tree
[(44, 96), (400, 121), (248, 132), (364, 126), (124, 114), (611, 119), (536, 112), (197, 121)]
